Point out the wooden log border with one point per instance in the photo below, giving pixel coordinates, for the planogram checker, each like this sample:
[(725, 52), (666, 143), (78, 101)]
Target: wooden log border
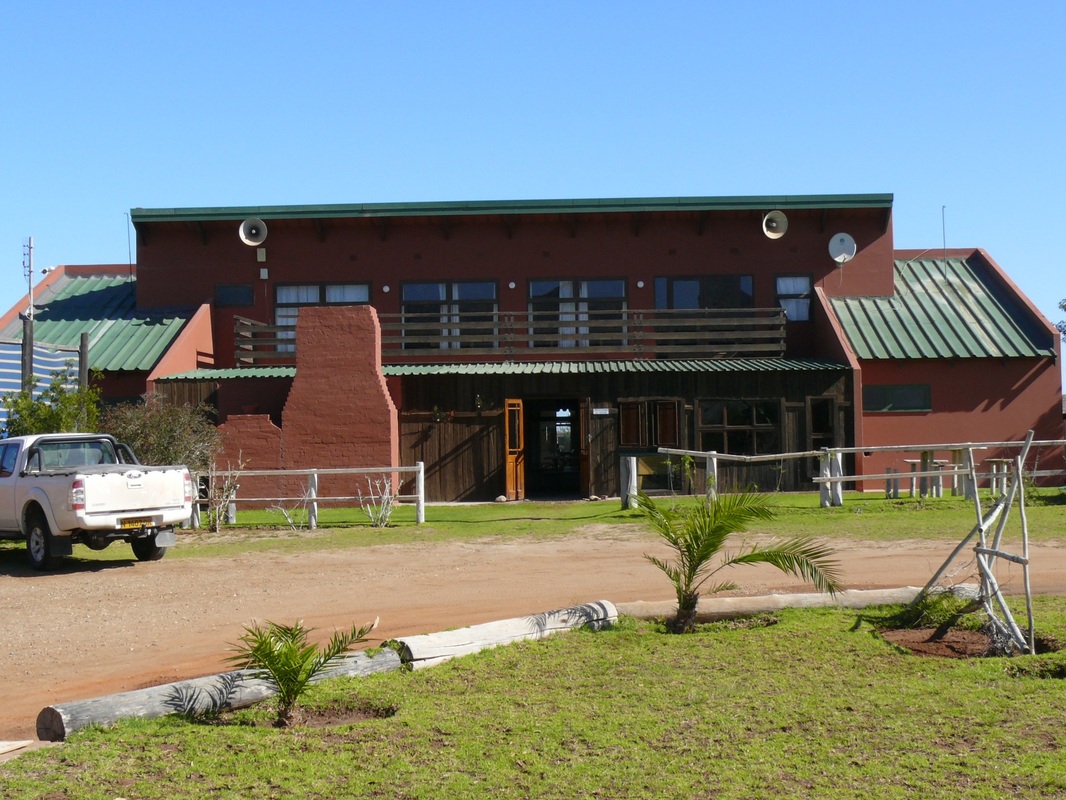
[(192, 697), (433, 648)]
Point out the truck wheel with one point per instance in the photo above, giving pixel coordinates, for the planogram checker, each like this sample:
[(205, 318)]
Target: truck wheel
[(146, 549), (39, 543)]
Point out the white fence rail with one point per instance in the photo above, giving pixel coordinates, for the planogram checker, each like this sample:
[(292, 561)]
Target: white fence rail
[(926, 474), (311, 496)]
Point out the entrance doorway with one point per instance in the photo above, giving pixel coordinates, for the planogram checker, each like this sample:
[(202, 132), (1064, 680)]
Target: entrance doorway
[(553, 448)]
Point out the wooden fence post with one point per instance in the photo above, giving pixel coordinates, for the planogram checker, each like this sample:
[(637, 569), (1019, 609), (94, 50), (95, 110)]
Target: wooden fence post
[(312, 498), (420, 492), (712, 478), (836, 469)]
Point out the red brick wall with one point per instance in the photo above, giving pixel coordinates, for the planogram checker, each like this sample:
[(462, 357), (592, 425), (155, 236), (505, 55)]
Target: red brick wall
[(254, 441), (339, 413)]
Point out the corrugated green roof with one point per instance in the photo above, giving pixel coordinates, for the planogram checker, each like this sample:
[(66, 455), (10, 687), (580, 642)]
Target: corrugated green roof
[(759, 203), (231, 373), (601, 367), (941, 308), (545, 368), (104, 306)]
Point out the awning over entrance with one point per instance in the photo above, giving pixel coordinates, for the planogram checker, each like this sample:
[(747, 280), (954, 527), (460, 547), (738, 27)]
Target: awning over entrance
[(618, 366)]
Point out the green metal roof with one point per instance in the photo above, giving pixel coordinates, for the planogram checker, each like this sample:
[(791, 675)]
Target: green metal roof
[(104, 306), (231, 373), (603, 367), (761, 203), (941, 308), (545, 368)]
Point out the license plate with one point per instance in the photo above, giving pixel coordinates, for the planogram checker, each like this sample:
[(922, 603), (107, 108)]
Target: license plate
[(136, 522)]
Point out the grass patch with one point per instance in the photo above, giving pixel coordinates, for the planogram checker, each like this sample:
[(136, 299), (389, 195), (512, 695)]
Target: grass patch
[(814, 706)]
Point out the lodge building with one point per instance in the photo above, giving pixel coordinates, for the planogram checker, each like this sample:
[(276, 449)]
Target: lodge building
[(526, 348)]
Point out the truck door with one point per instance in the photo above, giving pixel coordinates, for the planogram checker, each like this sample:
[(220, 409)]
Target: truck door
[(8, 456)]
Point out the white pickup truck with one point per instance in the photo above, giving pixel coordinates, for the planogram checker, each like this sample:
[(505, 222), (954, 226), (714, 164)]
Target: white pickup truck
[(63, 488)]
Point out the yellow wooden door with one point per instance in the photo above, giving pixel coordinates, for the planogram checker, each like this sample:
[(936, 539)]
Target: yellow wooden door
[(514, 436)]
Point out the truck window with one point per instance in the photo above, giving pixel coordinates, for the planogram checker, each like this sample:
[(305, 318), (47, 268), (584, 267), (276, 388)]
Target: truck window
[(8, 454), (57, 455)]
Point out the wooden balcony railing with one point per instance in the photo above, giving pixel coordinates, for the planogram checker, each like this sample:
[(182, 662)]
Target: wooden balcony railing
[(543, 336)]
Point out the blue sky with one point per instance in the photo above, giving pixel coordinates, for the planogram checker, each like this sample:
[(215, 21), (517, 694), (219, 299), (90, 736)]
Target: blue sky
[(955, 108)]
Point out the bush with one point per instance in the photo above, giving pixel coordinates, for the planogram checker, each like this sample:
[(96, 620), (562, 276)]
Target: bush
[(162, 433)]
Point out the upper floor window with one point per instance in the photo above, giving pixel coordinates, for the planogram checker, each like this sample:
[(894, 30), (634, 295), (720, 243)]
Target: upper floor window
[(449, 315), (897, 397), (558, 309), (234, 295), (705, 291), (288, 299), (794, 295)]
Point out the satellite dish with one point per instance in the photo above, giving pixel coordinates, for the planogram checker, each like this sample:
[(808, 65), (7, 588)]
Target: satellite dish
[(774, 225), (253, 231), (842, 248)]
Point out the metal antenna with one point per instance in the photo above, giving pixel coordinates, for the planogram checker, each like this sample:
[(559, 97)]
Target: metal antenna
[(27, 269)]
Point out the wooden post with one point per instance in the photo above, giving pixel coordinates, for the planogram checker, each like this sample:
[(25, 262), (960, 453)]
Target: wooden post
[(823, 472), (420, 492), (712, 477), (231, 508), (836, 470), (629, 481), (312, 501)]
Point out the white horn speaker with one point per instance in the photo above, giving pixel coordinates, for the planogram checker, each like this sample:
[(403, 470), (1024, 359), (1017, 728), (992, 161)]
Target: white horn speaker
[(253, 231), (774, 225)]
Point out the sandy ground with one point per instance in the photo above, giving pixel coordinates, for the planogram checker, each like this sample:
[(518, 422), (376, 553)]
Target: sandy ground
[(94, 628)]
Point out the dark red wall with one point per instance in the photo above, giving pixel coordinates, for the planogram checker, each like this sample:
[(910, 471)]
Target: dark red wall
[(181, 262), (984, 400)]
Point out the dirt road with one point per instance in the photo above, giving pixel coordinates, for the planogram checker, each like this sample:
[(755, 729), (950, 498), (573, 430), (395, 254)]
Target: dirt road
[(93, 628)]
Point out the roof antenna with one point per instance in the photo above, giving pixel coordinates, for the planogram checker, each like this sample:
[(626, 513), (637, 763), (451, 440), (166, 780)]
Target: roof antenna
[(944, 229)]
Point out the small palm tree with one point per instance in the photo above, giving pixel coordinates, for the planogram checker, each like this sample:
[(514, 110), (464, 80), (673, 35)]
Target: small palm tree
[(697, 536), (282, 655)]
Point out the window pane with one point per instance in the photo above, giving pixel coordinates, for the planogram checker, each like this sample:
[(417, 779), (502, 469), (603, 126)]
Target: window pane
[(545, 288), (603, 289), (725, 291), (712, 412), (738, 412), (424, 291), (712, 440), (298, 294), (233, 295), (475, 291), (902, 397), (766, 412), (354, 293), (796, 310)]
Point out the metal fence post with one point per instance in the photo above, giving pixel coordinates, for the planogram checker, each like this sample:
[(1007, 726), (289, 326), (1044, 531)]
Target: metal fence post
[(312, 496), (420, 492)]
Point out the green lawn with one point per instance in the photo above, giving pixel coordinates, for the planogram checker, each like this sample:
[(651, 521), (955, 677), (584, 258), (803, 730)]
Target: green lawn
[(814, 706)]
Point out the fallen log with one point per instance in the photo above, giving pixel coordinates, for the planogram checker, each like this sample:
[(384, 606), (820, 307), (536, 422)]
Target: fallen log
[(194, 697), (432, 648)]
